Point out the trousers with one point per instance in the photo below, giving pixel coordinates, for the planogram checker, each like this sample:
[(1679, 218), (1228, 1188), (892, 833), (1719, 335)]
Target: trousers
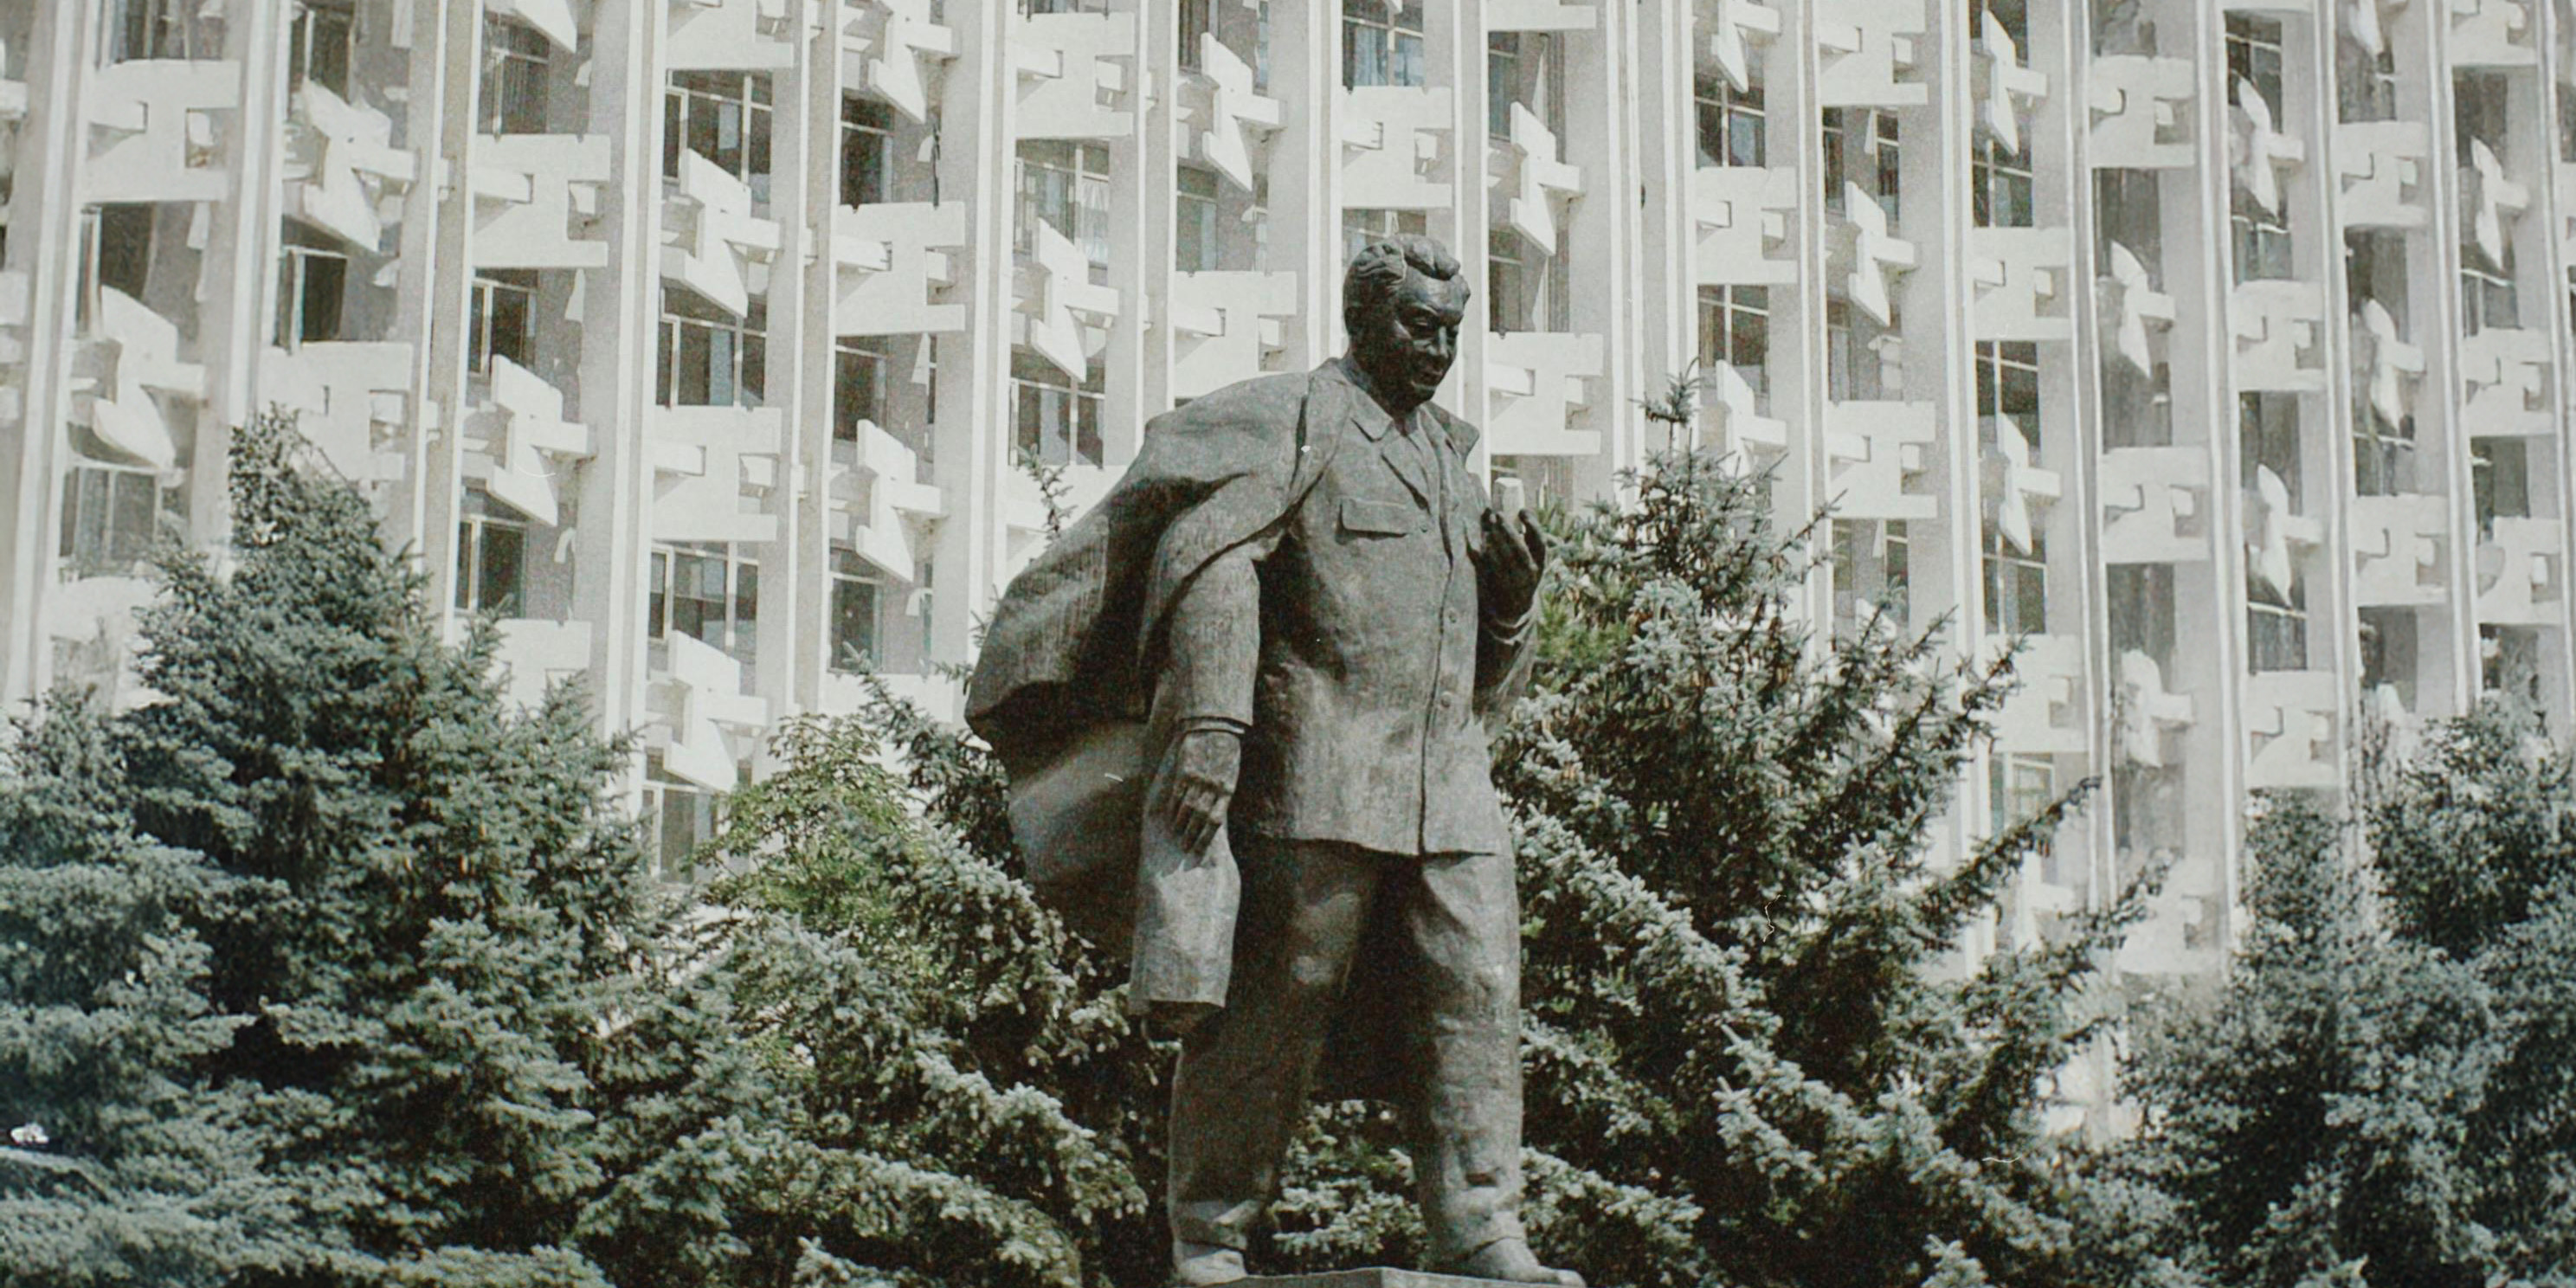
[(1448, 930)]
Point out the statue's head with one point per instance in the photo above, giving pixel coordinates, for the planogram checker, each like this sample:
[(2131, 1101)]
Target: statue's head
[(1402, 302)]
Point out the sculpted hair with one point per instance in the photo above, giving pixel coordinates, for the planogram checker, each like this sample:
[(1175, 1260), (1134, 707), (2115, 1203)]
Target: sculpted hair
[(1379, 269)]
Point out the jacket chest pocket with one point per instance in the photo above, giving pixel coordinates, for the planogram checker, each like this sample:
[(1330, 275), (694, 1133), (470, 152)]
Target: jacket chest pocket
[(1366, 518)]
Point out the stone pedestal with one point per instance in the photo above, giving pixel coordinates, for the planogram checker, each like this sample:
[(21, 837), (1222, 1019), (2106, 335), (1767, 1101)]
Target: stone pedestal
[(1373, 1277)]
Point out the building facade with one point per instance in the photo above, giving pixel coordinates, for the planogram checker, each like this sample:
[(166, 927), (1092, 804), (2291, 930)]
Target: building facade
[(2215, 351)]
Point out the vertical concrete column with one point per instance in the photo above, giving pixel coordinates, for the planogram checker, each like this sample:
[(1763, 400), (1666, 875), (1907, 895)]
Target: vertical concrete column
[(1659, 41), (977, 153), (239, 281), (1604, 274), (44, 243), (804, 127), (621, 313), (1306, 172), (802, 284), (437, 294)]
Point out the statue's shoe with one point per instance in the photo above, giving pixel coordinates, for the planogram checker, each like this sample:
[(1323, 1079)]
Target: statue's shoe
[(1511, 1261), (1204, 1265)]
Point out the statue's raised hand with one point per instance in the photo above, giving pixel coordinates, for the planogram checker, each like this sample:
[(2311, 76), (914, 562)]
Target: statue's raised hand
[(1515, 558), (1197, 784)]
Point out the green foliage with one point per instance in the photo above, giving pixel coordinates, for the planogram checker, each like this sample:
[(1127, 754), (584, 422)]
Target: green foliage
[(2380, 1095), (1741, 978)]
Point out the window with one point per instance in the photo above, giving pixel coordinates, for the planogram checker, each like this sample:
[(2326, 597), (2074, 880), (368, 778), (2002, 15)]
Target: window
[(724, 117), (2276, 623), (2254, 54), (2003, 188), (858, 599), (1502, 80), (1382, 43), (2018, 787), (116, 253), (708, 590), (1856, 354), (2267, 438), (1066, 186), (2008, 385), (2141, 600), (2365, 83), (1731, 122), (2499, 481), (1195, 232), (2016, 588), (1513, 282), (710, 358), (862, 375), (491, 560), (2487, 295), (1198, 19), (1735, 328), (867, 151), (514, 78), (2128, 211), (318, 44), (1862, 147), (2509, 663), (163, 29), (1058, 420), (504, 300), (2122, 27), (1871, 559), (312, 279), (2261, 237), (680, 815), (110, 517), (2383, 454), (1528, 68), (2388, 652), (1360, 227)]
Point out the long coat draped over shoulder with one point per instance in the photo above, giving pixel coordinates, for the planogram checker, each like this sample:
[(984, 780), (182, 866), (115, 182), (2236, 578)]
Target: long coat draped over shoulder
[(1062, 688)]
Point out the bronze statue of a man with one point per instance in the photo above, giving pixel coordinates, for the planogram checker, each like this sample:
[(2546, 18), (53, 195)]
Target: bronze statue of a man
[(1296, 611)]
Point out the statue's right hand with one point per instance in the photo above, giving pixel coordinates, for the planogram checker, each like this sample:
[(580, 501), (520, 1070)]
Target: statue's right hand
[(1198, 784)]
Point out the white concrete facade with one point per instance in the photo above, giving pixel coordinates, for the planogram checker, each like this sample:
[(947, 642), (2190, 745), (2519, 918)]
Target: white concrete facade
[(2221, 350)]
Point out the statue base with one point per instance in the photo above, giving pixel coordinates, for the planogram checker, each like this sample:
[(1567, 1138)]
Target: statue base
[(1373, 1277)]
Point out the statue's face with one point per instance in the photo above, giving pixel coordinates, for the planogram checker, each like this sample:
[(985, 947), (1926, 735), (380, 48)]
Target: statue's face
[(1406, 347)]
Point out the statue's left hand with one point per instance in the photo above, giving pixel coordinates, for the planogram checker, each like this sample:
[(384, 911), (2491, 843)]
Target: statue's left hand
[(1515, 558)]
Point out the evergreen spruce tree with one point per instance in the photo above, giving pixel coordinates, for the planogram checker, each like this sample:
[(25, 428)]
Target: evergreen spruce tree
[(120, 1160), (2380, 1093)]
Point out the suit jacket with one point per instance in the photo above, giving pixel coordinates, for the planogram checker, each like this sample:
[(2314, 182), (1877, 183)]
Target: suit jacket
[(1373, 662)]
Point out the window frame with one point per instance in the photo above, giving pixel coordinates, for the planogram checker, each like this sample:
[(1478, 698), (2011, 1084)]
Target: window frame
[(2014, 598), (485, 293), (1197, 221), (1064, 183), (518, 69), (1719, 109), (687, 95), (1732, 312), (745, 355), (482, 530), (1886, 148), (98, 536), (736, 615), (849, 573), (2003, 368), (1384, 40), (1081, 422), (307, 38), (307, 261), (867, 125)]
